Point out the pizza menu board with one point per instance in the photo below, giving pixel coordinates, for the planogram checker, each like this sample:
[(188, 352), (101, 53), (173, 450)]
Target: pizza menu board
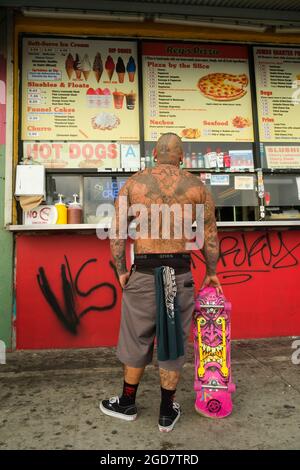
[(201, 92), (77, 89), (277, 72)]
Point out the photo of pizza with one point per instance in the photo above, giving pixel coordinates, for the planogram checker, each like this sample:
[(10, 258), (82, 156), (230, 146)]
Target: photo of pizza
[(223, 86)]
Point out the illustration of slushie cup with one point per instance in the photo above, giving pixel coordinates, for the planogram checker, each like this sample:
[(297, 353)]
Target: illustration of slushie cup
[(118, 99), (130, 100)]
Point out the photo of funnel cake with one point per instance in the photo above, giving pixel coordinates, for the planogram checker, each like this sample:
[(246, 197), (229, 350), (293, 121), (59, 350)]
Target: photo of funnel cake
[(98, 67), (105, 121), (131, 69), (109, 67)]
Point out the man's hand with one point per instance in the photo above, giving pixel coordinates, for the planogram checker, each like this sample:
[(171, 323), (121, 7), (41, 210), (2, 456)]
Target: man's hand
[(212, 281), (123, 279)]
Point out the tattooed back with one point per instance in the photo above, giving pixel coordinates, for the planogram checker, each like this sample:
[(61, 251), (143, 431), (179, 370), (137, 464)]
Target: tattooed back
[(158, 190)]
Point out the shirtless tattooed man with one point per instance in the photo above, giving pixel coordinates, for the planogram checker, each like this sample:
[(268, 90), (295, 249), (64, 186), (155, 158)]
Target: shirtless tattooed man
[(148, 299)]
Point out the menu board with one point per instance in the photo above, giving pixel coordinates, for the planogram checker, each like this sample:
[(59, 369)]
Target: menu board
[(281, 157), (277, 73), (201, 92), (77, 89)]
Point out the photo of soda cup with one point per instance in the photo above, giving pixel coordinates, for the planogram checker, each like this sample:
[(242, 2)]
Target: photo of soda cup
[(130, 100), (118, 99)]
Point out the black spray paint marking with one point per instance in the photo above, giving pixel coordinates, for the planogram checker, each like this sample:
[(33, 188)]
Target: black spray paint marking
[(67, 314), (274, 254)]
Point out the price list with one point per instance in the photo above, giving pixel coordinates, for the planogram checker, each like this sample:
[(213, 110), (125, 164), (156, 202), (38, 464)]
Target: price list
[(277, 73)]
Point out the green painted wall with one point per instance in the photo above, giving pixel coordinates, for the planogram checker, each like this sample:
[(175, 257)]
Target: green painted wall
[(6, 266), (6, 238)]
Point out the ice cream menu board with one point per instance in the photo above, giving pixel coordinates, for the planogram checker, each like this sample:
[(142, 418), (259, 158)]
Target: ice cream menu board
[(201, 92), (77, 89), (277, 73)]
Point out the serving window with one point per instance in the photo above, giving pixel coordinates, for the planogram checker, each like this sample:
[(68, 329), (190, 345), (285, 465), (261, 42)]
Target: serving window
[(282, 196)]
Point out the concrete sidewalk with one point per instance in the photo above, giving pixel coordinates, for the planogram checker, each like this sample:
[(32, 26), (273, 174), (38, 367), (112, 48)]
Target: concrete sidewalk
[(50, 399)]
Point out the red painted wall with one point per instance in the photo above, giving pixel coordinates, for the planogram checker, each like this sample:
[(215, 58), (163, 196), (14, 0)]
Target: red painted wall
[(259, 271)]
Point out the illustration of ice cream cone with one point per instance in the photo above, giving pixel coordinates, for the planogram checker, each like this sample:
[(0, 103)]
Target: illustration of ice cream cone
[(120, 69), (69, 65), (86, 66), (109, 67), (131, 69), (77, 67), (98, 66)]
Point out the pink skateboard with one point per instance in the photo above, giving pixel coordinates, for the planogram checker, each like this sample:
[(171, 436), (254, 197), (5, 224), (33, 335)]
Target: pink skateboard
[(211, 331)]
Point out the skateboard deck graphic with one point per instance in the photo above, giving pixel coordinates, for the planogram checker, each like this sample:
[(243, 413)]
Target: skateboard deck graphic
[(211, 331)]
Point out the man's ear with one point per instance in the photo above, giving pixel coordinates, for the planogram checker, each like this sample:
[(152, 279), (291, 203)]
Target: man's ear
[(155, 152)]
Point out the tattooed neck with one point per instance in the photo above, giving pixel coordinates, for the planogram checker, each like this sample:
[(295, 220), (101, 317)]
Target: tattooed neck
[(168, 163)]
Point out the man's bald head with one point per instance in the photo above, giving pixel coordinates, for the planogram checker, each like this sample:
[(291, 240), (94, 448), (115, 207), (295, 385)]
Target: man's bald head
[(169, 149)]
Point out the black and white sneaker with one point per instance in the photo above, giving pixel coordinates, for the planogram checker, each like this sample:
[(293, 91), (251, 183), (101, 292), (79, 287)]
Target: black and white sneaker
[(112, 407), (167, 423)]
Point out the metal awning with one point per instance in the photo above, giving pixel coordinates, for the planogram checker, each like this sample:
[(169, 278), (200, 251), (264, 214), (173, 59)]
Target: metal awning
[(278, 10)]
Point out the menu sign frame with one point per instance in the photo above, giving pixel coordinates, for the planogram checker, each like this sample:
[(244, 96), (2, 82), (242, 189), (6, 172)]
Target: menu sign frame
[(79, 89), (277, 75), (189, 86)]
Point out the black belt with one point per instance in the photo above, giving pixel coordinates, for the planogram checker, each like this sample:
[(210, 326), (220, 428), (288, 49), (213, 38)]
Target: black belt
[(151, 270), (147, 262)]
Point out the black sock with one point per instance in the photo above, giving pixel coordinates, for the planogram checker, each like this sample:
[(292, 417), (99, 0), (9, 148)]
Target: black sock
[(167, 398), (129, 393)]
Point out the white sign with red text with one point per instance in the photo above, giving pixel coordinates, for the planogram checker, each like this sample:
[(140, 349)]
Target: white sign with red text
[(73, 154)]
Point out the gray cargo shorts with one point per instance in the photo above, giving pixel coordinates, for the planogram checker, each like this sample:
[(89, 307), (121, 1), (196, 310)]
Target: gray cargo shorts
[(138, 321)]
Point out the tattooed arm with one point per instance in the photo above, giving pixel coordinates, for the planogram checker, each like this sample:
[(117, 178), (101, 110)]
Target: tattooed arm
[(210, 249), (119, 234)]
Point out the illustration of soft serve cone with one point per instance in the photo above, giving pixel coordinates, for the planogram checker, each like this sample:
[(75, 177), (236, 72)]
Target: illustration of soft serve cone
[(77, 66), (86, 66), (98, 66), (131, 68), (109, 67), (120, 69), (69, 65)]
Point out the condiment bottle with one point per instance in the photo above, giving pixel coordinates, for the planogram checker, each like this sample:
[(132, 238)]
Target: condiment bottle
[(61, 211), (227, 160), (74, 211), (194, 160)]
